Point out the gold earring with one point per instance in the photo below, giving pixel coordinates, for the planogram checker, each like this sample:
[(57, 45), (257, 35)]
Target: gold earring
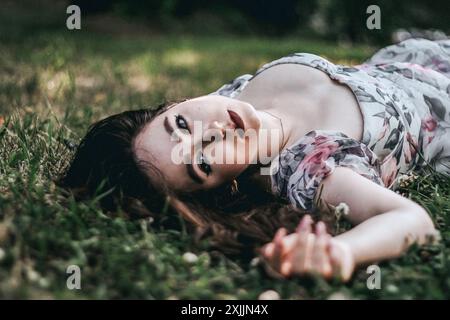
[(234, 187)]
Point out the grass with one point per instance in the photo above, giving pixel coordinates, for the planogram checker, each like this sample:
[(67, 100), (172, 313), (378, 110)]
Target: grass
[(54, 84)]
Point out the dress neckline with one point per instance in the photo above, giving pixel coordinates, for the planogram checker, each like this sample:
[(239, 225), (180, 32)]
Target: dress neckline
[(319, 63)]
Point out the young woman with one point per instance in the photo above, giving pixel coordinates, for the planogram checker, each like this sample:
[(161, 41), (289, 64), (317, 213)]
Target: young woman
[(332, 135)]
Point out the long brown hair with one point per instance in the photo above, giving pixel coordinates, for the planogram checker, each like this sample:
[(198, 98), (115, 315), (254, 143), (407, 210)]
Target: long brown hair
[(104, 163)]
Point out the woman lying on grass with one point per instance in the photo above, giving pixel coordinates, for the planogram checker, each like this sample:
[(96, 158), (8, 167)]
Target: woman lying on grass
[(306, 136)]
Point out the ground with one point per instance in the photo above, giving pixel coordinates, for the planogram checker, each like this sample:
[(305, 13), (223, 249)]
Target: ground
[(53, 84)]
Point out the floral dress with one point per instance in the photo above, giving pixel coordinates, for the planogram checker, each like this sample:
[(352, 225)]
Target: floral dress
[(403, 92)]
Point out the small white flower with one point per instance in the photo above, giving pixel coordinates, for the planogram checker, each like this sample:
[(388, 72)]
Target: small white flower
[(33, 275), (342, 209), (269, 295), (402, 178), (392, 288), (338, 296), (151, 258), (43, 283), (255, 262), (190, 257), (405, 180)]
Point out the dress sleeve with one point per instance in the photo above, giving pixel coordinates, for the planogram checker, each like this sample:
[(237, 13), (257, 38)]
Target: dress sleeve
[(235, 86), (299, 170)]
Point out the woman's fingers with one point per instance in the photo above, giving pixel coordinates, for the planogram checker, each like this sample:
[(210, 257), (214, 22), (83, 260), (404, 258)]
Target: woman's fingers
[(286, 268), (278, 241), (289, 243), (311, 254), (305, 223), (303, 230), (342, 260), (305, 251), (306, 242), (320, 259), (268, 250), (319, 246), (327, 268), (273, 251), (279, 236), (300, 259)]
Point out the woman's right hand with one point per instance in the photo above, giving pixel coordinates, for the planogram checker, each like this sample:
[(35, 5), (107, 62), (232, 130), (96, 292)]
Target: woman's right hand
[(306, 252)]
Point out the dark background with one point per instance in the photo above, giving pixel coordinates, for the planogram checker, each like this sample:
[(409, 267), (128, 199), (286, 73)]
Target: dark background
[(332, 19), (335, 20)]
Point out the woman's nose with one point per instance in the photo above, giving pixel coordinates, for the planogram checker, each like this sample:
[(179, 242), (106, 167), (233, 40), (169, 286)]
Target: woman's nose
[(215, 131), (222, 126), (219, 127)]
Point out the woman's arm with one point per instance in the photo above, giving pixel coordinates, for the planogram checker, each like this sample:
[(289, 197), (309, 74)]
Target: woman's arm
[(386, 225)]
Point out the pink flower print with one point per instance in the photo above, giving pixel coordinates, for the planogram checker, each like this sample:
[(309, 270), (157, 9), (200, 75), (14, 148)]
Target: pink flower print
[(429, 124), (439, 64), (383, 132), (389, 171), (412, 140), (407, 153), (314, 162), (320, 139), (410, 148), (424, 69), (416, 66)]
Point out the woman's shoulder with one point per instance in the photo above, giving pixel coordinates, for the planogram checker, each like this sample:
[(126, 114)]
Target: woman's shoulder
[(302, 58), (233, 87)]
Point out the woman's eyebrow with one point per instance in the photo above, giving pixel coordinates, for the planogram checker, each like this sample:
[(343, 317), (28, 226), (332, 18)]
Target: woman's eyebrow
[(190, 169), (167, 126)]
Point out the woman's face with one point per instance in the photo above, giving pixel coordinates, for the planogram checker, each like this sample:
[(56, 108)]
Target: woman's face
[(200, 143)]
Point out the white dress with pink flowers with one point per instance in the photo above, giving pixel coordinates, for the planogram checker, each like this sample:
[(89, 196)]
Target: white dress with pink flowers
[(404, 95)]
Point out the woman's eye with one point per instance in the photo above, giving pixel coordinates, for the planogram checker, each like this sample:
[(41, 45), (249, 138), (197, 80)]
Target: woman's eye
[(204, 165), (181, 122)]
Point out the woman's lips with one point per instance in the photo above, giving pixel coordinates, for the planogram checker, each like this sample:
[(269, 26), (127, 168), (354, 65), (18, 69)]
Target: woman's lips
[(237, 120)]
